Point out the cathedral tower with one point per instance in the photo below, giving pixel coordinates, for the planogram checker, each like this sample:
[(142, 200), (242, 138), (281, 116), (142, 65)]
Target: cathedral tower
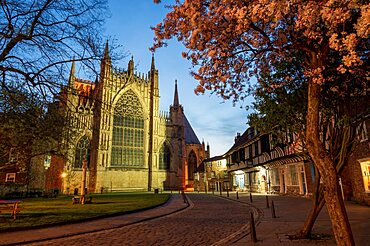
[(128, 143)]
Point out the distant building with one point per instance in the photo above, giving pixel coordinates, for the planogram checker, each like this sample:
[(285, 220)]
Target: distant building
[(212, 175), (257, 164)]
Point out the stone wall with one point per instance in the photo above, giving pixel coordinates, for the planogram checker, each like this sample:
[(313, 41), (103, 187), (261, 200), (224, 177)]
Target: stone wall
[(353, 176)]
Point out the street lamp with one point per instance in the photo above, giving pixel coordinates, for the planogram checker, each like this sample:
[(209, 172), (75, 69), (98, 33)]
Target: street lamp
[(83, 184), (63, 175), (47, 162)]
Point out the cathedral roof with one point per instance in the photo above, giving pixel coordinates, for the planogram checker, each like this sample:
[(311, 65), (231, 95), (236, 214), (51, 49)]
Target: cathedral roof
[(85, 89), (190, 136)]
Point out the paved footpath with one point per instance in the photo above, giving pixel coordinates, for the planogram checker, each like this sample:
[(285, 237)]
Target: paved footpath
[(207, 220), (291, 213)]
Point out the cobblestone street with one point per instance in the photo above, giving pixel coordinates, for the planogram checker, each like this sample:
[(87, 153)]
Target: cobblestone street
[(208, 220)]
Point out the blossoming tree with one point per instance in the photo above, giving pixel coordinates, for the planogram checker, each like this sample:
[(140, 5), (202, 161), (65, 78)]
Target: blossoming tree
[(231, 41)]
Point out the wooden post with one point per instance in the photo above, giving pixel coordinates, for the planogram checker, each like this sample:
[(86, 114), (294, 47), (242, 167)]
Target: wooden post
[(237, 195), (253, 229), (267, 202), (250, 197), (273, 209)]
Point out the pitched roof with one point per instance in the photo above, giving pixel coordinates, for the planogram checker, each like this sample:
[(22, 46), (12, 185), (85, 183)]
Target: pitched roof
[(215, 158), (190, 136), (241, 140)]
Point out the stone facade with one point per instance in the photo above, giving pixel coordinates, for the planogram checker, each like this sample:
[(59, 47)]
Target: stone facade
[(212, 175), (356, 175), (116, 125)]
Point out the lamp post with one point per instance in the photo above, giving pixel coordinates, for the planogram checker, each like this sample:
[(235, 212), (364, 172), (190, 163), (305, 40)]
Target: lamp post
[(47, 162), (63, 176), (83, 184)]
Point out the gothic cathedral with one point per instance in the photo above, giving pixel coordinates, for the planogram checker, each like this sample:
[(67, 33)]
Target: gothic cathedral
[(116, 128)]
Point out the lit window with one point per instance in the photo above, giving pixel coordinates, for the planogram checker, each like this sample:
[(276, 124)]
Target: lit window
[(128, 132), (293, 175), (365, 170), (10, 177)]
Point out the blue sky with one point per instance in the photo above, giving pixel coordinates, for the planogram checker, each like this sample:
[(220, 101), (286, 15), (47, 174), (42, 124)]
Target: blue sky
[(213, 120)]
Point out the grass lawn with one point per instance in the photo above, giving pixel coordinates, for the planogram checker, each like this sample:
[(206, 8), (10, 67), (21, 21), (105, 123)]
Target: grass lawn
[(37, 212)]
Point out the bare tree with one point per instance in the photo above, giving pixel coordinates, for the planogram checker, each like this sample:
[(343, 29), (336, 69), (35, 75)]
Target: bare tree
[(39, 39)]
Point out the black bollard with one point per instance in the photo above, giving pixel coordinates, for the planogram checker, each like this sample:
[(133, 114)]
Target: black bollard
[(220, 192), (213, 192), (227, 192), (237, 195), (184, 197), (253, 229), (267, 202), (273, 209), (250, 197)]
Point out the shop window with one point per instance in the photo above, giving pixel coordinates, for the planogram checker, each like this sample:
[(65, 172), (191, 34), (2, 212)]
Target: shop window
[(213, 174), (365, 170), (10, 177), (275, 179), (293, 175)]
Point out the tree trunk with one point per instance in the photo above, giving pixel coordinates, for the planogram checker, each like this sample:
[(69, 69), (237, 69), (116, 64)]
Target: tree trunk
[(346, 143), (317, 205), (327, 169)]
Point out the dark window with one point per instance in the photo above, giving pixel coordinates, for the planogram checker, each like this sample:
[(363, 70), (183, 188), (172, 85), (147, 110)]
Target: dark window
[(192, 164), (82, 151), (265, 145), (164, 157), (256, 150), (242, 154)]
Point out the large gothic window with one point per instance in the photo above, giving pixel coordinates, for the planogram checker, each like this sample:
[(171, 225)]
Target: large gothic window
[(164, 157), (192, 164), (82, 150), (128, 132)]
